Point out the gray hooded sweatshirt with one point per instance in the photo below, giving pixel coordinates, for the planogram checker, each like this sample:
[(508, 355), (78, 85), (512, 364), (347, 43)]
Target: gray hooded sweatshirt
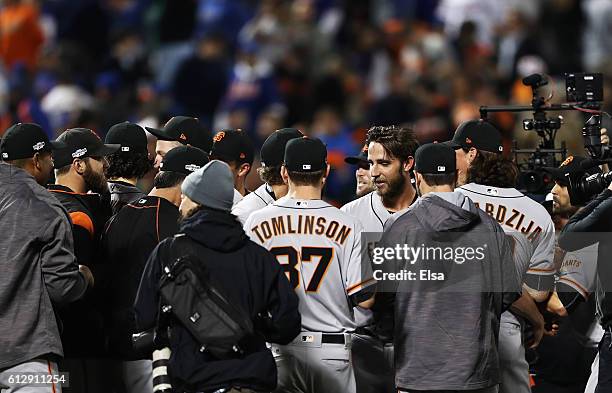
[(37, 268), (446, 330)]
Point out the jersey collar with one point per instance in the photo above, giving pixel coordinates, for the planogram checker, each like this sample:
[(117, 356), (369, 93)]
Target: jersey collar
[(301, 203), (492, 191)]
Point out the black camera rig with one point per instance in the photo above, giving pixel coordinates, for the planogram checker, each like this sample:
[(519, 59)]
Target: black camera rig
[(584, 92)]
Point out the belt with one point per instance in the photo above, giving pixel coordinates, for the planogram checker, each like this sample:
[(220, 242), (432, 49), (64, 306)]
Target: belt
[(327, 338)]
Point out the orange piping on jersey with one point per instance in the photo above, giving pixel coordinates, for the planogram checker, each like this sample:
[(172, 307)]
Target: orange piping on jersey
[(70, 192), (141, 207), (361, 284), (157, 220), (551, 270), (584, 292), (83, 220), (51, 373)]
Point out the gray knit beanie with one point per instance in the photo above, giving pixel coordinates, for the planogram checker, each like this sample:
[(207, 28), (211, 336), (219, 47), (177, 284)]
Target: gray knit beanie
[(211, 186)]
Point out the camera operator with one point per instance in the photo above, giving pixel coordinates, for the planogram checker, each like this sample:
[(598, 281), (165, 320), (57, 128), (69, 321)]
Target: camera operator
[(595, 220), (564, 360)]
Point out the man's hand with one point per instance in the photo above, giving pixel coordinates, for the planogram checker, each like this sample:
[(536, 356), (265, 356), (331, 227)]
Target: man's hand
[(88, 275), (526, 308)]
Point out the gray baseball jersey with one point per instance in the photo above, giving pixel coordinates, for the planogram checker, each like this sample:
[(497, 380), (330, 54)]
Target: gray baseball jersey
[(319, 247), (369, 210), (579, 269), (258, 199), (372, 214), (517, 212)]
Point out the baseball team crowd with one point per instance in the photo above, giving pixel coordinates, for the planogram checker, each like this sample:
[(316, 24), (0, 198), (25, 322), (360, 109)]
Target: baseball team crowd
[(106, 222)]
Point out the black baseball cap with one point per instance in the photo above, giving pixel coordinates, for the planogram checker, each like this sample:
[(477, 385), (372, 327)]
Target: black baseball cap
[(184, 159), (360, 159), (81, 143), (232, 145), (273, 149), (435, 158), (130, 136), (186, 130), (305, 155), (573, 165), (23, 140), (479, 134)]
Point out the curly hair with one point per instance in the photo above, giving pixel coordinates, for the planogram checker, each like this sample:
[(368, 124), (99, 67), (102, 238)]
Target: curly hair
[(128, 165), (398, 141), (494, 170), (270, 175)]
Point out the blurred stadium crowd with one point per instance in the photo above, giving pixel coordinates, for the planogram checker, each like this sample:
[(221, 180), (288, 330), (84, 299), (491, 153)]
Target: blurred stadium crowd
[(328, 67)]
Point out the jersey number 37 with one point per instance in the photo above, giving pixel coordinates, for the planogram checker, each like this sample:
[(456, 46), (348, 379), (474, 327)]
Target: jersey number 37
[(289, 258)]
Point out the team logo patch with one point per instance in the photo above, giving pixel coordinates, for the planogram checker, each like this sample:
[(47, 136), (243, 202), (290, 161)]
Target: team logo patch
[(125, 148), (192, 167), (567, 161), (306, 167), (492, 191), (4, 155), (38, 146), (183, 137), (79, 153), (468, 140), (220, 135), (441, 168), (308, 338), (242, 156)]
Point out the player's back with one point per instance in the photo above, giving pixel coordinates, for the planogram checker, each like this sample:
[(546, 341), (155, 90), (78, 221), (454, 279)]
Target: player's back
[(518, 214), (319, 248)]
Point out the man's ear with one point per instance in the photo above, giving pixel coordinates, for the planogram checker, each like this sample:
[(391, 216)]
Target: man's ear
[(408, 164), (284, 174), (244, 169), (37, 161), (79, 166), (471, 154), (327, 170)]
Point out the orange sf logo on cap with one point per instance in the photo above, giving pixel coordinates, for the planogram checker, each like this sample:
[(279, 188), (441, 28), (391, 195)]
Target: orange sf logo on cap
[(468, 140), (220, 135), (183, 137), (242, 156), (567, 161)]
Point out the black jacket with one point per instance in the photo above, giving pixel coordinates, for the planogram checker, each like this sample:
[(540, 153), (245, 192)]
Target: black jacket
[(122, 193), (129, 238), (83, 333), (252, 278), (590, 225)]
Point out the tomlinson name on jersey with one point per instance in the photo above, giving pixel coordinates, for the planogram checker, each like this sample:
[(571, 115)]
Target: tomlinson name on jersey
[(301, 225)]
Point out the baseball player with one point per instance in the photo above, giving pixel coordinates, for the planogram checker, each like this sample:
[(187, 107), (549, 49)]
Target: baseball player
[(390, 154), (362, 173), (577, 269), (178, 131), (272, 154), (319, 248), (235, 148), (490, 179)]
